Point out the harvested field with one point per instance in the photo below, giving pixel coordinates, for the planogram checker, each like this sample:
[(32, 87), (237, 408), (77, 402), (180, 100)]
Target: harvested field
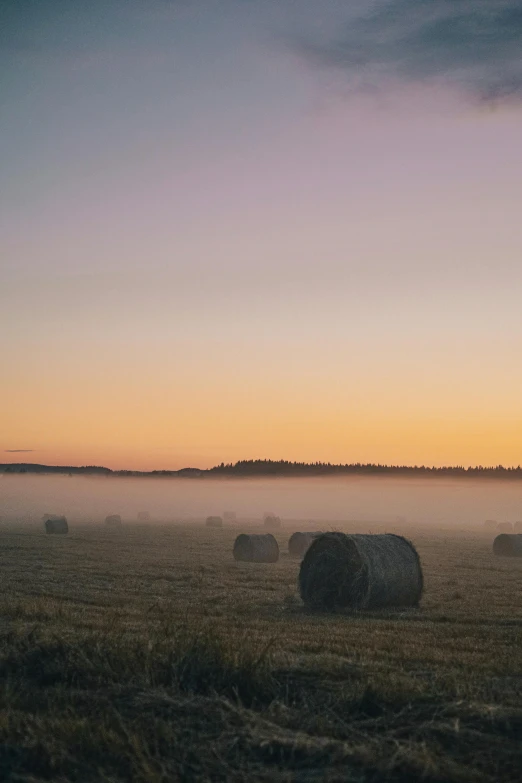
[(150, 655)]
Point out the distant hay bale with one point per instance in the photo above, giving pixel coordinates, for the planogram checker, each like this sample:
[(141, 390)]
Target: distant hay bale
[(506, 545), (490, 524), (229, 516), (360, 572), (254, 548), (272, 522), (298, 542), (505, 527), (143, 516), (517, 527), (113, 520), (55, 524), (214, 522)]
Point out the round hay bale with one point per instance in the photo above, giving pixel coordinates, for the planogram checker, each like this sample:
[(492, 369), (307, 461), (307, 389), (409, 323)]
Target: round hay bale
[(298, 542), (56, 525), (490, 524), (517, 527), (214, 522), (113, 520), (229, 517), (360, 572), (143, 516), (506, 545), (254, 548), (505, 527), (271, 522)]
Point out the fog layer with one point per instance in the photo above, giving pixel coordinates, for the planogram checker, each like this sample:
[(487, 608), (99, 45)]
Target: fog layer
[(367, 499)]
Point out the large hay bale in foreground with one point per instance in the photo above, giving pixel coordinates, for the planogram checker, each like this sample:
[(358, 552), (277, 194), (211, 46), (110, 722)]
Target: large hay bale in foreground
[(55, 524), (113, 520), (254, 548), (490, 524), (505, 527), (517, 527), (506, 545), (214, 522), (360, 572), (298, 542), (271, 522)]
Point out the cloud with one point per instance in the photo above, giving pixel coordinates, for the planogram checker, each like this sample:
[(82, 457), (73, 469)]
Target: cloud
[(471, 45), (18, 451)]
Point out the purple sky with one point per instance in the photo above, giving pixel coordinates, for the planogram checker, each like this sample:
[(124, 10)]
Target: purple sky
[(247, 229)]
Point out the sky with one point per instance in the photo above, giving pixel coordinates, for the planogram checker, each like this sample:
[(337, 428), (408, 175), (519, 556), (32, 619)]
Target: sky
[(260, 229)]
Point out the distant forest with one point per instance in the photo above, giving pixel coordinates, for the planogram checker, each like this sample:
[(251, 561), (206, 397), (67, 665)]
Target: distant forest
[(267, 467)]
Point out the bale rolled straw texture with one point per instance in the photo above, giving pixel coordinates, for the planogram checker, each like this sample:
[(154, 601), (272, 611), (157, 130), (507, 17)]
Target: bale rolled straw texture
[(505, 527), (506, 545), (214, 522), (256, 548), (360, 572), (113, 520), (55, 524), (299, 542)]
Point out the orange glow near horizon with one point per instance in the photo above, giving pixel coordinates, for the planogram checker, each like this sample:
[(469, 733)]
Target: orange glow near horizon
[(166, 401), (145, 426)]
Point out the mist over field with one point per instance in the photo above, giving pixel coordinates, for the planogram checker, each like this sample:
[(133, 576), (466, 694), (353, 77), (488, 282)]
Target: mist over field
[(439, 502)]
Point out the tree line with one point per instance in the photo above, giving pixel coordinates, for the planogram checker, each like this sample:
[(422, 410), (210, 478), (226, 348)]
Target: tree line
[(268, 467)]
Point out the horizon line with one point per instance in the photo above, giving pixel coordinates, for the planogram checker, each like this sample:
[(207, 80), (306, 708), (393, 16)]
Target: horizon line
[(267, 467)]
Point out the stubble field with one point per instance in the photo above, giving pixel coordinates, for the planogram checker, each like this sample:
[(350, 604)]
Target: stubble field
[(147, 654)]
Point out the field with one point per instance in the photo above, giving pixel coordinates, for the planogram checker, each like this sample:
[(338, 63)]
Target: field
[(148, 654)]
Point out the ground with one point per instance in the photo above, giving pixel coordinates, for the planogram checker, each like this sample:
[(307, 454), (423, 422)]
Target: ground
[(147, 654)]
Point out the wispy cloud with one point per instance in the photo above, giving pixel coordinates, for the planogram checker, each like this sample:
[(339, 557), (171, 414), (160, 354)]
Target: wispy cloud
[(18, 451), (472, 45)]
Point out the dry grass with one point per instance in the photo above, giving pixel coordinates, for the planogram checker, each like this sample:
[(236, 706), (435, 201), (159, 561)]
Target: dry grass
[(148, 654)]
